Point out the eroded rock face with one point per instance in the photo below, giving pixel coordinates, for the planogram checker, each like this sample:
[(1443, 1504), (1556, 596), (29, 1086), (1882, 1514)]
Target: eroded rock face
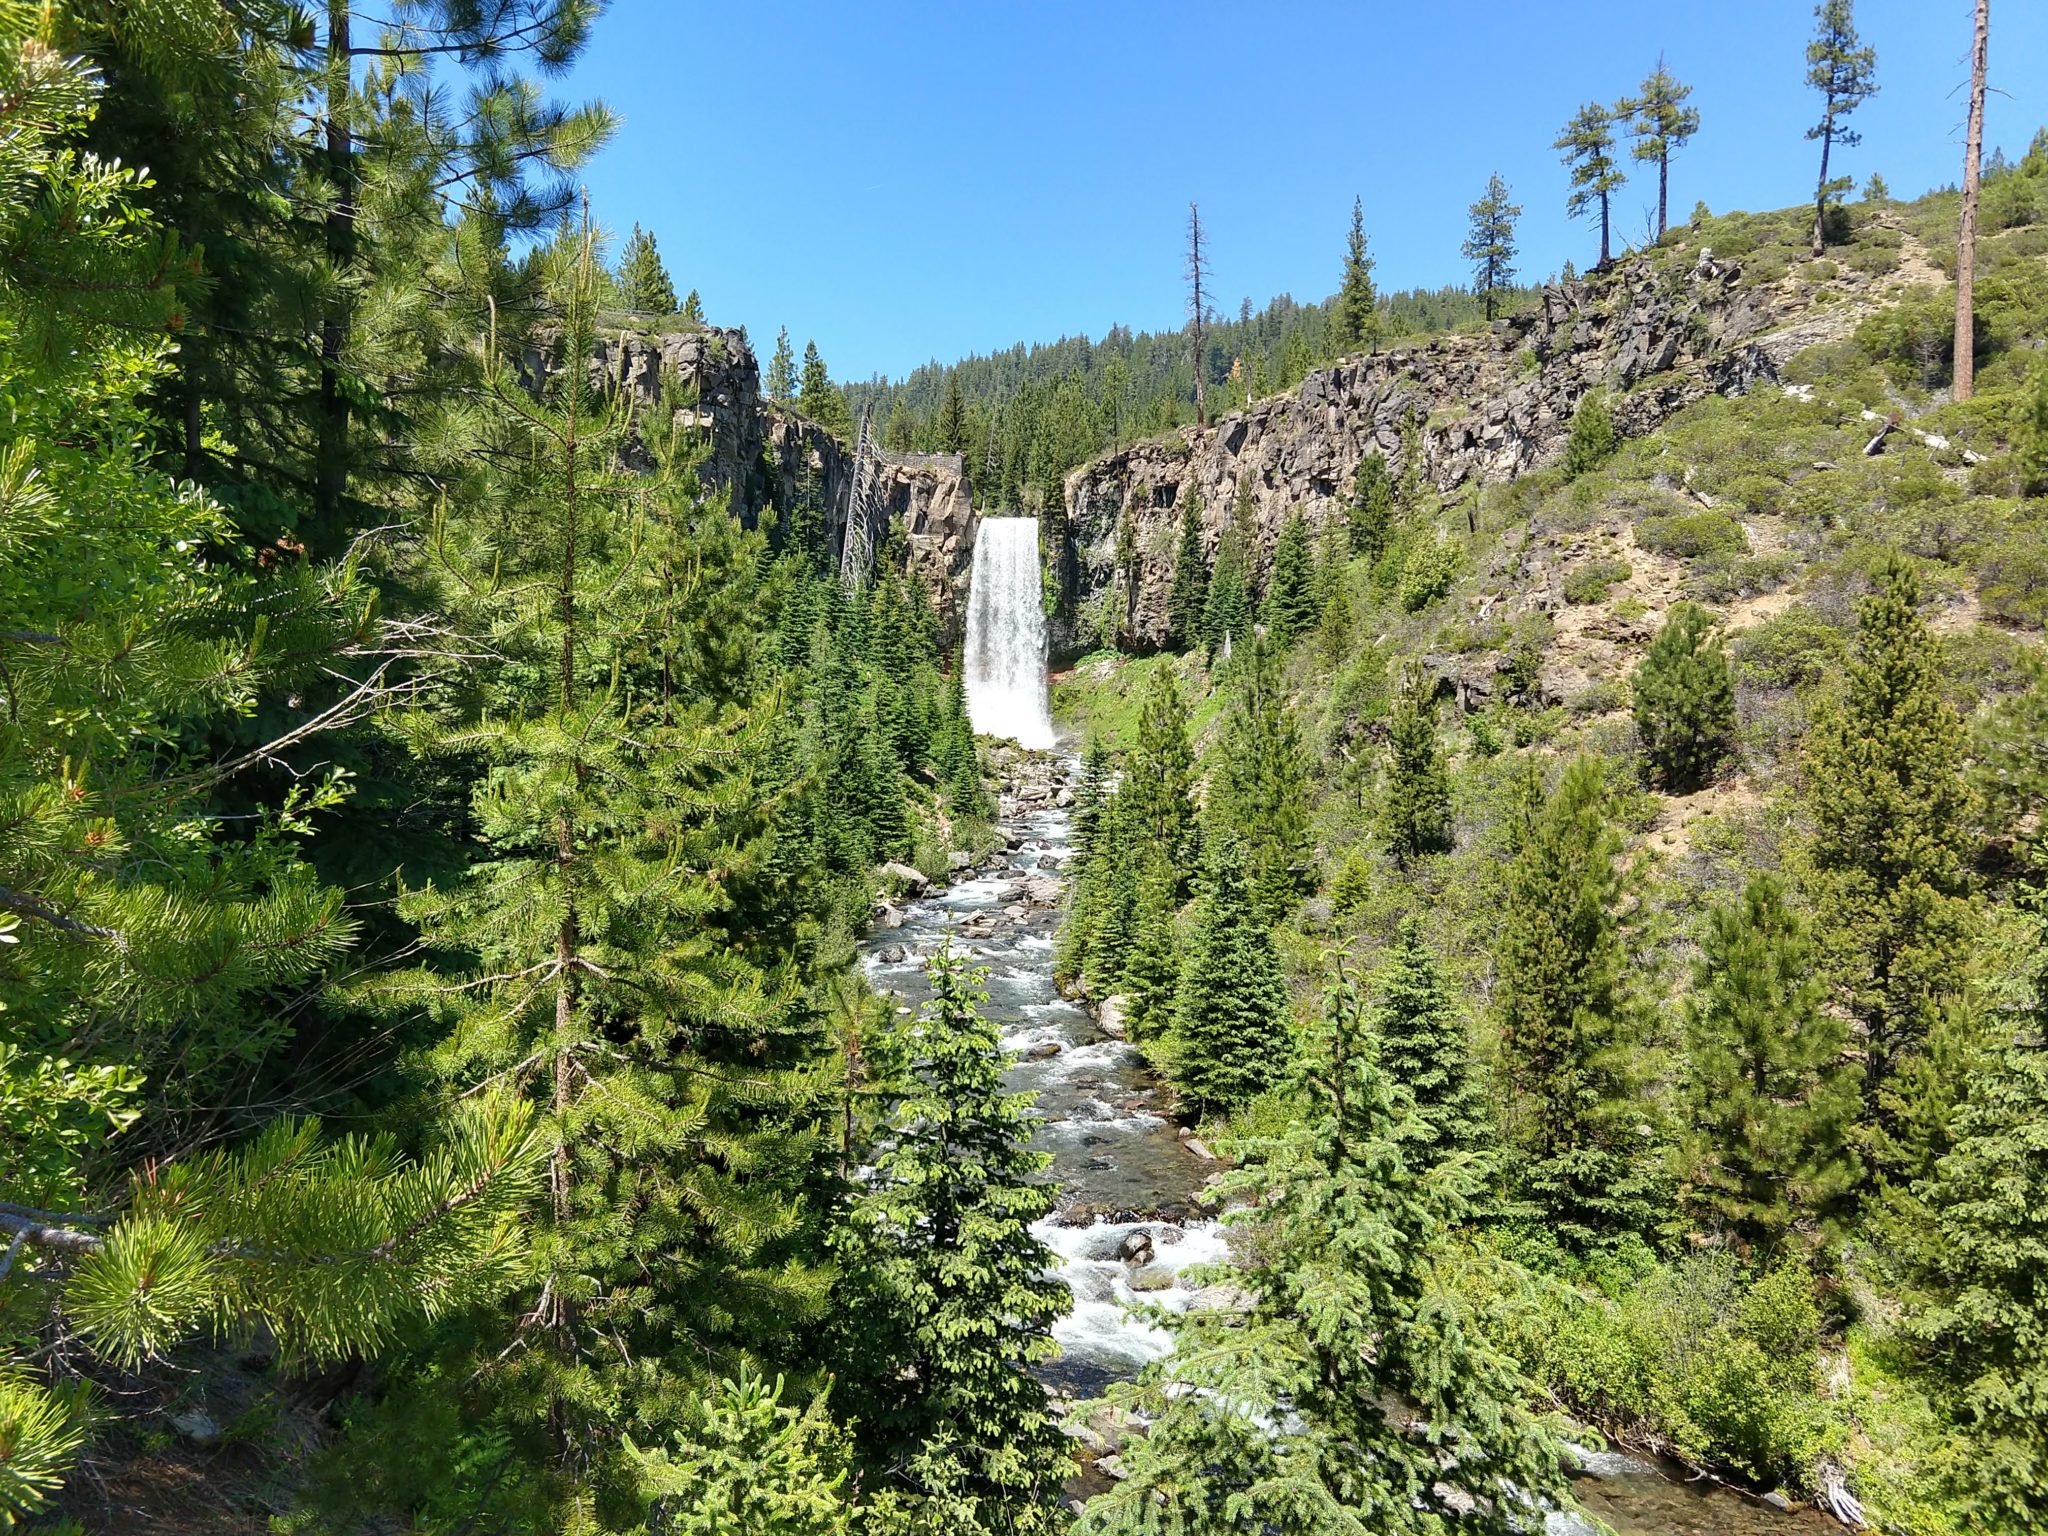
[(759, 451), (1487, 408)]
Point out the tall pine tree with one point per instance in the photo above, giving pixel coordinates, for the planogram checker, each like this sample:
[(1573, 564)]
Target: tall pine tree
[(1230, 1027)]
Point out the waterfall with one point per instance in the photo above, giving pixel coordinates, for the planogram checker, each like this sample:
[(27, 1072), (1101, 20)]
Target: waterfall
[(1005, 661)]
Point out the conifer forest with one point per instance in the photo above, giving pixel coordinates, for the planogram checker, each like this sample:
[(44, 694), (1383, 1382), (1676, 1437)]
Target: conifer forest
[(550, 986)]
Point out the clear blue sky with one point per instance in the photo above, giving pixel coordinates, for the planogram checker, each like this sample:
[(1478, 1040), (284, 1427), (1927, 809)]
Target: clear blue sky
[(923, 180)]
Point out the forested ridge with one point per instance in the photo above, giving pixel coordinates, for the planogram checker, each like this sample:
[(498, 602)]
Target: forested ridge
[(1595, 918)]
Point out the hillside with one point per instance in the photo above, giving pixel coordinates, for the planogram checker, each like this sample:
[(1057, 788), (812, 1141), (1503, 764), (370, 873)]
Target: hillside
[(1725, 428)]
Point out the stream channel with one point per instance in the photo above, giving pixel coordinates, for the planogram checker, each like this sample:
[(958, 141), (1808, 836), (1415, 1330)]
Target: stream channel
[(1127, 1179)]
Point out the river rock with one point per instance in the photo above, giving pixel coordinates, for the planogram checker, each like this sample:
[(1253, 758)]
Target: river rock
[(1194, 1145), (1016, 913), (1042, 890), (887, 916), (892, 954), (1112, 1466), (959, 859), (1153, 1277), (1136, 1248), (1778, 1501), (1045, 1050), (910, 879), (1109, 1018), (1064, 798), (1220, 1298)]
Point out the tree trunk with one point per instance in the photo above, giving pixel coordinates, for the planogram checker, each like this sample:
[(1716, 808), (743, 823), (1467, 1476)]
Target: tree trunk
[(1663, 193), (1966, 243), (1605, 260), (330, 448), (1820, 190)]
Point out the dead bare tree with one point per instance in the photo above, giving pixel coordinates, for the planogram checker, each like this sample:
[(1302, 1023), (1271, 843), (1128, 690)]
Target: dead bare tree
[(1198, 312), (1965, 369)]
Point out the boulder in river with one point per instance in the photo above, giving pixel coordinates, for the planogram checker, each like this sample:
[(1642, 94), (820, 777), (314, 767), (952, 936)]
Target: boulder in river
[(892, 954), (1042, 890), (1136, 1248), (1109, 1018), (1220, 1298), (1045, 1050), (887, 916), (906, 877), (959, 859), (1153, 1277)]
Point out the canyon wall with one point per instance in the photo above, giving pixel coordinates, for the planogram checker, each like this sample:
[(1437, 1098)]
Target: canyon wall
[(1487, 408), (758, 452)]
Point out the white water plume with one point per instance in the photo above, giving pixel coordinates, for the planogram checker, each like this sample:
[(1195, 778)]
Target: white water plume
[(1005, 661)]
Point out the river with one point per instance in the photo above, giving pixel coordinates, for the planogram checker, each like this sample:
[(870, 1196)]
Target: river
[(1124, 1171)]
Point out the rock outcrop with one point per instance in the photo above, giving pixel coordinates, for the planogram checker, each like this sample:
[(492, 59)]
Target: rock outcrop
[(1486, 408), (758, 451)]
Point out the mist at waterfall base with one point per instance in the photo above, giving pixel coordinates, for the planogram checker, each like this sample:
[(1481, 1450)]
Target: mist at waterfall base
[(1005, 656)]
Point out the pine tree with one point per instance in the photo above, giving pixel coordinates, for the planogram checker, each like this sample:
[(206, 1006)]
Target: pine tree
[(644, 285), (1982, 1315), (1343, 1231), (1159, 784), (1371, 512), (1188, 598), (1886, 864), (621, 942), (1490, 243), (781, 379), (1425, 1050), (1685, 699), (1415, 806), (1588, 145), (1197, 274), (1770, 1099), (946, 1297), (1290, 607), (1258, 784), (1661, 123), (1089, 795), (746, 1463), (819, 398), (1570, 1026), (1845, 74), (1230, 1024), (1355, 315)]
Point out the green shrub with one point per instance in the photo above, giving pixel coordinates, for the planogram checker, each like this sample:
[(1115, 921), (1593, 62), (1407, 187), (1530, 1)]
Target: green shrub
[(1792, 649), (1915, 338), (1427, 571), (1719, 578), (1589, 583), (1689, 535), (2013, 581), (1598, 699)]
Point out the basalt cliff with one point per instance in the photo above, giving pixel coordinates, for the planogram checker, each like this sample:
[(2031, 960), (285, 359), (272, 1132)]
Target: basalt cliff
[(1485, 408)]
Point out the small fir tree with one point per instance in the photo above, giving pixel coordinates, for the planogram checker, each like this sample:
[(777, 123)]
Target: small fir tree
[(1227, 610), (1426, 1050), (1490, 243), (1415, 806), (1981, 1313), (1370, 515), (1230, 1024), (1662, 123), (1886, 863), (693, 307), (1290, 607), (1685, 700), (1570, 1026), (1344, 1227), (1587, 143), (1592, 441), (1845, 74), (946, 1297), (1258, 785), (1772, 1102), (1187, 600), (819, 398), (1159, 782), (1355, 316), (1152, 964), (951, 427)]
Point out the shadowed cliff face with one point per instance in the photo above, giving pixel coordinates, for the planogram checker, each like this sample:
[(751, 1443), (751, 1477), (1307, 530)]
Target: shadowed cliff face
[(1487, 408), (758, 451)]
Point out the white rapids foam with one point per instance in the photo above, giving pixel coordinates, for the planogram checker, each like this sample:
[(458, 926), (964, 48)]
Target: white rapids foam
[(1101, 1328), (1005, 655)]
